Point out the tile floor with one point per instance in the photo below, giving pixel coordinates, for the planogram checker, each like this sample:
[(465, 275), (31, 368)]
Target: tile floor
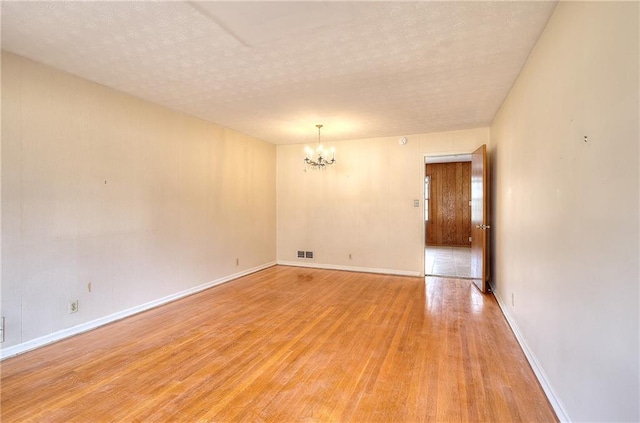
[(448, 261)]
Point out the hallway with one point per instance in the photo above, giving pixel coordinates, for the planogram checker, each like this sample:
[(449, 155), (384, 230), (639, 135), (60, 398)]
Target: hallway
[(447, 261)]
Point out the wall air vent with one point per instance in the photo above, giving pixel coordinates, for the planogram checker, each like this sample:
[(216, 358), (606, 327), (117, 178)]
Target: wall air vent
[(300, 254), (308, 254)]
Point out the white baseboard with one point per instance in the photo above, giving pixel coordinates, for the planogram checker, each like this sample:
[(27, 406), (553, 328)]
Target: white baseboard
[(537, 369), (350, 268), (84, 327)]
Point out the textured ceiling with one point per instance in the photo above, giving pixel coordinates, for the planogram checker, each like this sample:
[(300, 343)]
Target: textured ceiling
[(274, 69)]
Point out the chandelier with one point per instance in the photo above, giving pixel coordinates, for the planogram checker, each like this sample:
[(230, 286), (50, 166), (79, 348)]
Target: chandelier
[(319, 158)]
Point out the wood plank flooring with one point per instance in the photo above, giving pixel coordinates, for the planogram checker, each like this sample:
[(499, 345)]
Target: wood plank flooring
[(289, 345)]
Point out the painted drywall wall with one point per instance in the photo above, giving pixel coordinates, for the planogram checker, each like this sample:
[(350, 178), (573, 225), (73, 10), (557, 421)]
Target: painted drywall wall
[(140, 201), (566, 208), (364, 204)]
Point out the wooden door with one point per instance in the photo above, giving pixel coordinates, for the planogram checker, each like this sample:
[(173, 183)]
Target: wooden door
[(479, 218)]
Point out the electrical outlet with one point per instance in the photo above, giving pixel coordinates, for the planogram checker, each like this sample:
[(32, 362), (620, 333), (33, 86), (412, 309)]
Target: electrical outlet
[(237, 262), (513, 302), (350, 256), (73, 306), (1, 329)]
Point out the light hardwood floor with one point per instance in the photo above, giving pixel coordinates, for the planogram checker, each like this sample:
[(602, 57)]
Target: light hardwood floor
[(289, 345)]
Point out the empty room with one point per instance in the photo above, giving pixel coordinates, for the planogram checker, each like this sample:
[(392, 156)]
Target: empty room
[(320, 211)]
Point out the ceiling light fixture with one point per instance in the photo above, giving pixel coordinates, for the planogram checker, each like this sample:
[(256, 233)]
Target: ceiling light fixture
[(318, 158)]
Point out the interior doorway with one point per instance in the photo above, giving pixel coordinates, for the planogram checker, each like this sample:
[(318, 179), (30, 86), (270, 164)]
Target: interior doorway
[(447, 207)]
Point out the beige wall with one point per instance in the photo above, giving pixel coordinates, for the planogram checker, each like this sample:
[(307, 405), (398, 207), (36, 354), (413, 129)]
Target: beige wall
[(566, 210), (141, 201), (363, 205)]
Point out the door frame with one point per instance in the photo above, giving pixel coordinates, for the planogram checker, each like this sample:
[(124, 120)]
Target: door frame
[(446, 157)]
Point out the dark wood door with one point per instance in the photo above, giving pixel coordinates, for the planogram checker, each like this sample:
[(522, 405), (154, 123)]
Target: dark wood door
[(479, 223)]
